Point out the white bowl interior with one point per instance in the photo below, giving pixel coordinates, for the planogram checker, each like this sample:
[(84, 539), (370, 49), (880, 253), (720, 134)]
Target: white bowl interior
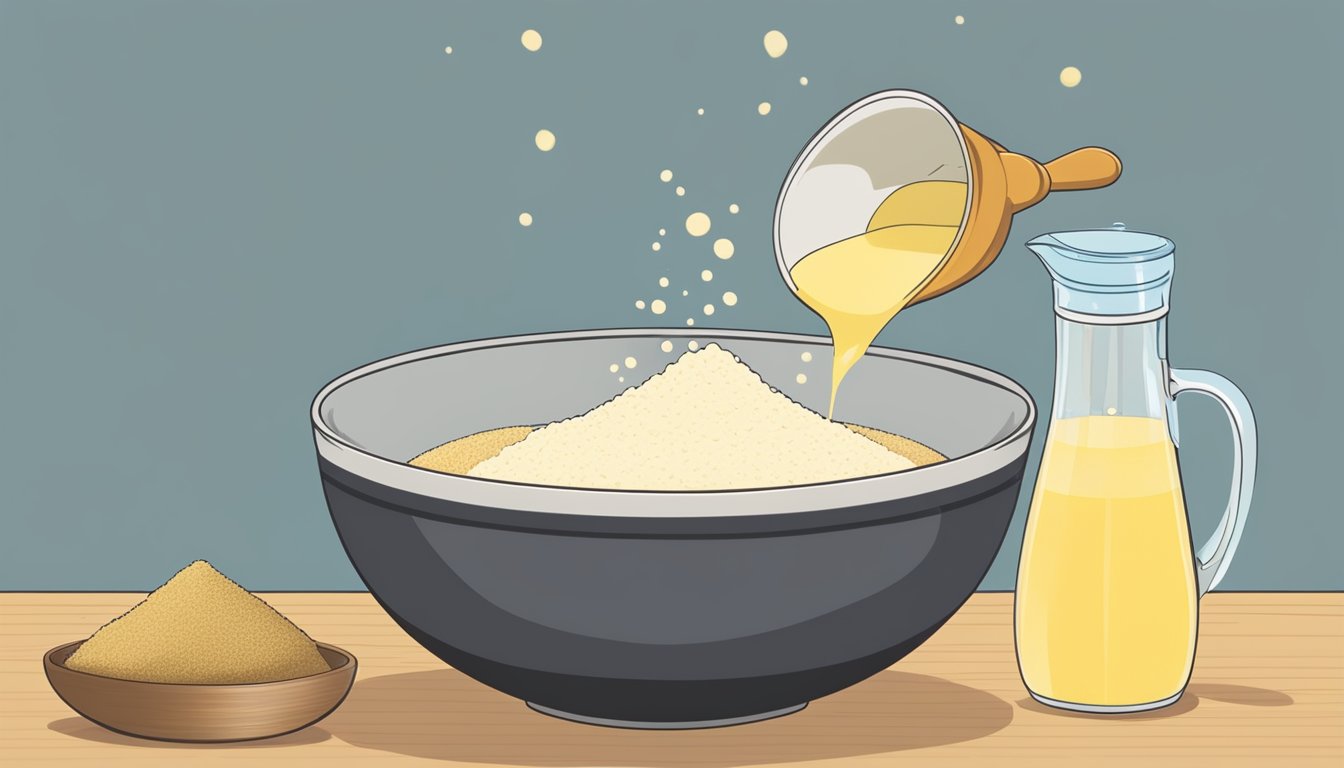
[(406, 405)]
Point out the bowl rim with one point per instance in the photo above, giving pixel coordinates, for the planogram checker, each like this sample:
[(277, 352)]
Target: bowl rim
[(56, 658), (627, 503)]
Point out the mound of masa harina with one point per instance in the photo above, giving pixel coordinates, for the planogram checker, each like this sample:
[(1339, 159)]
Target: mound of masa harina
[(707, 422), (199, 627)]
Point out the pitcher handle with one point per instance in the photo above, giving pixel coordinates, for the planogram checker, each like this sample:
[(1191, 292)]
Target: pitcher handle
[(1215, 556)]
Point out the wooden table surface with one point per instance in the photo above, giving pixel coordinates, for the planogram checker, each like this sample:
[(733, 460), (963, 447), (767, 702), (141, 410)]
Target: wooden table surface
[(1268, 690)]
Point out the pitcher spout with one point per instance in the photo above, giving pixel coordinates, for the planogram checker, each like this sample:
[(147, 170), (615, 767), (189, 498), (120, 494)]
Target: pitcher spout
[(1052, 253)]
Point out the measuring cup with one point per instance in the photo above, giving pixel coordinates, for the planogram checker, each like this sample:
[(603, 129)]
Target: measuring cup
[(894, 138)]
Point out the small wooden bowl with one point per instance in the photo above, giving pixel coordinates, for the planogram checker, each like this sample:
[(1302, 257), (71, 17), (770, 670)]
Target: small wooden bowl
[(202, 713)]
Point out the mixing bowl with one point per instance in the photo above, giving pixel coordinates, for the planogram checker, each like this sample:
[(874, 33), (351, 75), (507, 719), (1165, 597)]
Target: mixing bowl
[(666, 609)]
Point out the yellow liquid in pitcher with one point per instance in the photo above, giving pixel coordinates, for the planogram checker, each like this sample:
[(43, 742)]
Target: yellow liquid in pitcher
[(858, 284), (1106, 608)]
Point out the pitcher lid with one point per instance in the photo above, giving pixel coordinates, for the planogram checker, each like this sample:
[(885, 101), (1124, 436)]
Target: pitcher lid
[(1108, 244), (1108, 276)]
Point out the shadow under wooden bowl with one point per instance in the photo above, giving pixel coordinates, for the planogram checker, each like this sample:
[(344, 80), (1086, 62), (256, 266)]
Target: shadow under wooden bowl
[(202, 713)]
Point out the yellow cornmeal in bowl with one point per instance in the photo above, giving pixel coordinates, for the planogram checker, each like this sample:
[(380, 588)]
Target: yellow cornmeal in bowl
[(460, 456), (918, 453), (706, 422), (199, 627)]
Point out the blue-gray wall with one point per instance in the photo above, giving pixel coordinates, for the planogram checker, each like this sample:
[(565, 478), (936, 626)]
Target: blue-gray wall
[(208, 209)]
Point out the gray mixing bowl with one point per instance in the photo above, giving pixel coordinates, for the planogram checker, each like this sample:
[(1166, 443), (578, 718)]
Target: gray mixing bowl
[(666, 609)]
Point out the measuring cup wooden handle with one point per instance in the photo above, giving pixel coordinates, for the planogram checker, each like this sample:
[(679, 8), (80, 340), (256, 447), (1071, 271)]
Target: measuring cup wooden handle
[(1086, 168)]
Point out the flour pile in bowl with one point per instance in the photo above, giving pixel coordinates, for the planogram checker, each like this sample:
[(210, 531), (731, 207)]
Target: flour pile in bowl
[(707, 422)]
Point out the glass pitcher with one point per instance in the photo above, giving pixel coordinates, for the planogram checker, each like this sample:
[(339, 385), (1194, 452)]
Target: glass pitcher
[(1106, 607)]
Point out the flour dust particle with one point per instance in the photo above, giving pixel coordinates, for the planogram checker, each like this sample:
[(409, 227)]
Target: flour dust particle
[(802, 80), (775, 43), (685, 293), (734, 208), (663, 282), (801, 378), (199, 627), (613, 368), (545, 140), (763, 108), (639, 303), (525, 219), (705, 422), (1070, 77), (706, 275), (700, 111), (658, 306), (697, 224), (531, 40), (709, 310), (665, 176), (681, 191), (723, 248), (666, 346), (807, 357), (657, 246), (631, 362), (693, 345), (448, 50), (662, 232), (729, 299), (960, 20)]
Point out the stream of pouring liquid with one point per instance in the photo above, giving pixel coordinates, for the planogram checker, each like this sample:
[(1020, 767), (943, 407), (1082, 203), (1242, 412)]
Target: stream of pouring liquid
[(858, 285)]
